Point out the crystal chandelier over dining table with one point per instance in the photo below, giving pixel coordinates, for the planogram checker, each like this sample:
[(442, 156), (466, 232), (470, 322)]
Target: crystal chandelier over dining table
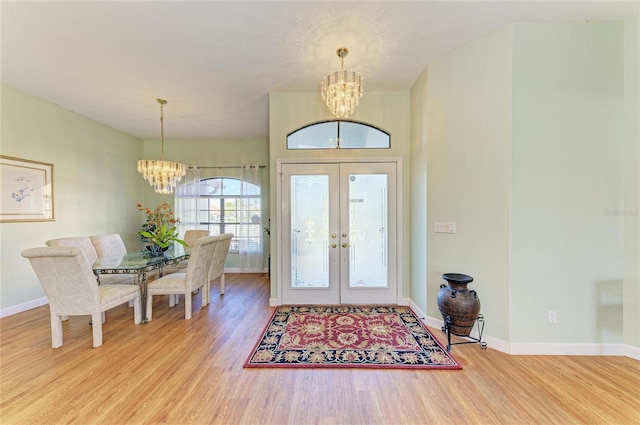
[(162, 175), (342, 89)]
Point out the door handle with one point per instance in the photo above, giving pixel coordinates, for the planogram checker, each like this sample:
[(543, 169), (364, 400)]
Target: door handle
[(345, 245), (334, 245)]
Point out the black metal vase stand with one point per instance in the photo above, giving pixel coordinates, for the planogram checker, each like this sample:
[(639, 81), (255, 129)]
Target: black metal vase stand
[(479, 322)]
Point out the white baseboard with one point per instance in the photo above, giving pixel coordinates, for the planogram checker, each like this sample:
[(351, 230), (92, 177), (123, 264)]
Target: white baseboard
[(538, 348), (15, 309), (566, 349), (631, 351), (273, 302), (237, 270)]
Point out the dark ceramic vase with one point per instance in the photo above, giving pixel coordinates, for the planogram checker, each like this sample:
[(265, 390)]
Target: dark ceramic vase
[(458, 305), (156, 250)]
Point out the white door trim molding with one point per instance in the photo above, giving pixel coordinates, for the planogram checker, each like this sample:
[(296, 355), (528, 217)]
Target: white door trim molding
[(279, 263)]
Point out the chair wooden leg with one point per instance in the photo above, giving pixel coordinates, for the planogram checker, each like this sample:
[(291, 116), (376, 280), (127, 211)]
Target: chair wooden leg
[(204, 293), (222, 284), (172, 300), (96, 324), (103, 317), (137, 311), (149, 302), (187, 305), (56, 331)]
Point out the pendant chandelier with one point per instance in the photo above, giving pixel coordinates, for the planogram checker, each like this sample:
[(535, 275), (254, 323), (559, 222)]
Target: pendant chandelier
[(162, 175), (342, 89)]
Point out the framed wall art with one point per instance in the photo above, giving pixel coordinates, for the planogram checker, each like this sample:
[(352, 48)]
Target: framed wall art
[(26, 190)]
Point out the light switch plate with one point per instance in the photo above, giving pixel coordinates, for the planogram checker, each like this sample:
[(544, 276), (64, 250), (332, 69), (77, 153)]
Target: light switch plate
[(444, 227)]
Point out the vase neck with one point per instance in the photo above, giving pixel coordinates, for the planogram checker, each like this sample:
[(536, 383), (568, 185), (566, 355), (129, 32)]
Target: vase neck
[(457, 285)]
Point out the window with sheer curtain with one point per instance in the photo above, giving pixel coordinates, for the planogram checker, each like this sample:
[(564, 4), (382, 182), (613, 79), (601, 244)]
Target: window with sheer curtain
[(226, 205)]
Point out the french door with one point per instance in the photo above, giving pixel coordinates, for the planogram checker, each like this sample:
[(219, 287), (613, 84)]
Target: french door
[(339, 233)]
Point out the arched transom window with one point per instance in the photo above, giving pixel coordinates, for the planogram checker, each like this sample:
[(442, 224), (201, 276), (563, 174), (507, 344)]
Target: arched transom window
[(339, 135)]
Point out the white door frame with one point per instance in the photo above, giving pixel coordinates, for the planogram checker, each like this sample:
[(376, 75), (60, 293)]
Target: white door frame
[(279, 266)]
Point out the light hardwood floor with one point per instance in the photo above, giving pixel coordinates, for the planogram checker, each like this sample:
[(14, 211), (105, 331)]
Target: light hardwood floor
[(172, 371)]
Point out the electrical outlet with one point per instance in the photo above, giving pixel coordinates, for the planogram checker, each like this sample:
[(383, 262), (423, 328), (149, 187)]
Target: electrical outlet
[(551, 316)]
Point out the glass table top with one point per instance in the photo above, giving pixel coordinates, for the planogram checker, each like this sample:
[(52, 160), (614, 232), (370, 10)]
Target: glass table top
[(141, 260)]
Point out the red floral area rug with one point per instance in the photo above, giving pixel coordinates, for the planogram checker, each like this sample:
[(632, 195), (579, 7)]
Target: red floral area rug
[(349, 336)]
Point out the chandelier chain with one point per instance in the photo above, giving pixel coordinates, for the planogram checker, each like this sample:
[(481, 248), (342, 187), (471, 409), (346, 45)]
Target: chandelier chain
[(162, 102)]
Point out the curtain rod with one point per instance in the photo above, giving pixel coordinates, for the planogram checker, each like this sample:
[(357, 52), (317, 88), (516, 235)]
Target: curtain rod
[(191, 167)]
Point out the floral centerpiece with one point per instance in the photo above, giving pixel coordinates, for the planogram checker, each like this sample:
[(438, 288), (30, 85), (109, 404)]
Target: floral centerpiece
[(160, 230)]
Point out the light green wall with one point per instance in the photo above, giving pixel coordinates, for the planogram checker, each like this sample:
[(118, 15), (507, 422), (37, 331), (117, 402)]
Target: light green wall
[(631, 217), (94, 166), (418, 199), (292, 110), (526, 153), (212, 153), (468, 151), (566, 175)]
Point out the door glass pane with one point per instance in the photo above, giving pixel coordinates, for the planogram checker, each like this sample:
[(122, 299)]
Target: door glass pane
[(309, 231), (368, 230)]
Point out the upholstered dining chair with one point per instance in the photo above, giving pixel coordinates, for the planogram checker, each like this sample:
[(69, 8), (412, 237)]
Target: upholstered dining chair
[(71, 289), (82, 242), (190, 237), (89, 248), (110, 245), (216, 268), (185, 283)]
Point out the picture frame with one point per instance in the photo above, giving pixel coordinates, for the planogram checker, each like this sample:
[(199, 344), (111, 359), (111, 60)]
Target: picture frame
[(26, 190)]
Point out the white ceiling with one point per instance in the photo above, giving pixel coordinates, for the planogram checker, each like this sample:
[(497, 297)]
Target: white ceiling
[(216, 61)]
